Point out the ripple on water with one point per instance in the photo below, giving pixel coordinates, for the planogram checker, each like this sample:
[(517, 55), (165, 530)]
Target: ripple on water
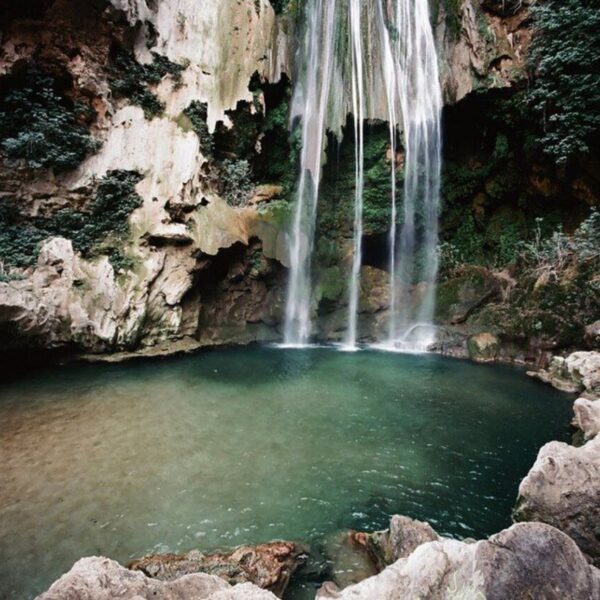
[(247, 445)]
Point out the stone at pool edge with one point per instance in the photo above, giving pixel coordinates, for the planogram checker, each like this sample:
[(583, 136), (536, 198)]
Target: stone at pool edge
[(527, 561), (269, 566), (562, 489), (577, 373), (99, 578)]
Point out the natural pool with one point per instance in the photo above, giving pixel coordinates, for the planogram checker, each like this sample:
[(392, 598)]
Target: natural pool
[(253, 444)]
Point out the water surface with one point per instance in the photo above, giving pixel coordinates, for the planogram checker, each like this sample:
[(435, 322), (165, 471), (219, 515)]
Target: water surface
[(252, 444)]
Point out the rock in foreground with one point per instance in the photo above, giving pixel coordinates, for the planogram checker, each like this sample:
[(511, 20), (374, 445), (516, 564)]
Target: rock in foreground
[(269, 566), (563, 489), (98, 578), (527, 561)]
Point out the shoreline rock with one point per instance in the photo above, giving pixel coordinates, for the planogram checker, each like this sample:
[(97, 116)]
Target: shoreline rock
[(528, 560), (562, 489), (99, 578), (269, 566), (577, 373)]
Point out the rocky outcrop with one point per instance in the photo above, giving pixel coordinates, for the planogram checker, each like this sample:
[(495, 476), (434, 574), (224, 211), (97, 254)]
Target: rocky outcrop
[(480, 46), (587, 417), (98, 578), (269, 566), (563, 489), (577, 373), (528, 560)]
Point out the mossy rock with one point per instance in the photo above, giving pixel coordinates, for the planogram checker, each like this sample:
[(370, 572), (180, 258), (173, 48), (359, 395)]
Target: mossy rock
[(458, 297), (332, 283), (483, 347)]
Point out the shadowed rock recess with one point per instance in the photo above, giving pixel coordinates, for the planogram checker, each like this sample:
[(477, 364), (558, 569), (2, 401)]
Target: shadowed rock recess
[(149, 166)]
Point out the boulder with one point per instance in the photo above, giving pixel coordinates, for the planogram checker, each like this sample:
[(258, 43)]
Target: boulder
[(591, 335), (98, 578), (269, 566), (526, 561), (578, 373), (483, 347), (563, 489), (587, 417)]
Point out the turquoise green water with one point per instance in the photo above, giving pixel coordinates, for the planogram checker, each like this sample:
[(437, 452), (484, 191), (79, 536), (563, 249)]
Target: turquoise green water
[(253, 444)]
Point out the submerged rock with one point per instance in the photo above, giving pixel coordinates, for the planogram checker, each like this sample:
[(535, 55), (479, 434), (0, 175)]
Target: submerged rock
[(578, 373), (269, 566), (528, 560), (563, 489), (98, 578)]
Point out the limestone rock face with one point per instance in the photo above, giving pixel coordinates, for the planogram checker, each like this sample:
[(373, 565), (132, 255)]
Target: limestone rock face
[(528, 560), (269, 566), (578, 373), (563, 489), (98, 578), (480, 46)]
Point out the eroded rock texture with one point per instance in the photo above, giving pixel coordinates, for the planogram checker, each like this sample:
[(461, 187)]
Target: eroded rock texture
[(529, 560), (563, 489), (98, 578), (268, 566)]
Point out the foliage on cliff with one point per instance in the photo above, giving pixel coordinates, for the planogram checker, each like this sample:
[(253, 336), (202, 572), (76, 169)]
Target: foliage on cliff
[(566, 62), (132, 80), (41, 126), (98, 230)]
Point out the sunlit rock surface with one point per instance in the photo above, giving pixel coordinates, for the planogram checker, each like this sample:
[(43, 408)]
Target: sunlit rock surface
[(529, 560), (97, 578), (577, 373), (563, 489)]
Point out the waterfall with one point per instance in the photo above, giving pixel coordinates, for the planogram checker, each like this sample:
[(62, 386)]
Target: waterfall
[(358, 110), (415, 257), (391, 58), (311, 101)]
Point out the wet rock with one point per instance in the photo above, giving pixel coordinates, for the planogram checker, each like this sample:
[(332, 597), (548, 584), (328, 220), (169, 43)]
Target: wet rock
[(459, 297), (578, 373), (351, 559), (526, 561), (98, 578), (563, 489), (403, 537), (269, 566), (483, 347), (587, 417)]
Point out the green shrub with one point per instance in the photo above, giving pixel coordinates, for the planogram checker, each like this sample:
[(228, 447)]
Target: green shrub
[(565, 59), (107, 217), (197, 113), (40, 126), (130, 79), (236, 182)]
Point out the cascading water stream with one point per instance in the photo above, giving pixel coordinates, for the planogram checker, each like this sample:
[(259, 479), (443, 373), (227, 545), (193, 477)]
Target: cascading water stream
[(358, 110), (413, 280), (402, 71), (311, 100)]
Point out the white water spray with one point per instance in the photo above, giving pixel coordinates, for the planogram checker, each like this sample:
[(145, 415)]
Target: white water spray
[(396, 79), (358, 110), (311, 98)]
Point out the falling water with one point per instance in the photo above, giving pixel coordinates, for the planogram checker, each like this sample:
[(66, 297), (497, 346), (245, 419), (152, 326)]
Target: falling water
[(415, 256), (390, 56), (358, 110), (311, 101)]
